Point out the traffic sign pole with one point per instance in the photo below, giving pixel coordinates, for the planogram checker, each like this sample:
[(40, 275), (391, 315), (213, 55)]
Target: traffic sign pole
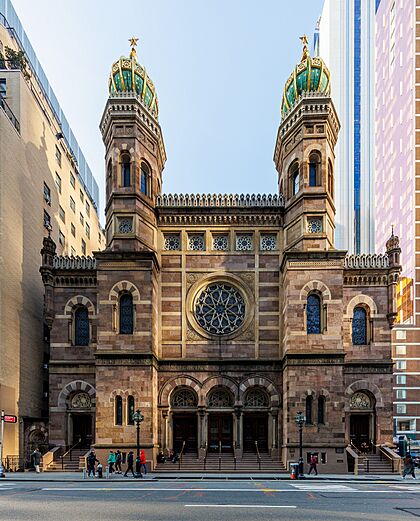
[(2, 475)]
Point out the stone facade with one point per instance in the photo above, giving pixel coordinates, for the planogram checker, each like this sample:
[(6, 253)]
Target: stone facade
[(221, 317)]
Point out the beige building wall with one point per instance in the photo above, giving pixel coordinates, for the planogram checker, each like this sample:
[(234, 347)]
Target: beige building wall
[(31, 159)]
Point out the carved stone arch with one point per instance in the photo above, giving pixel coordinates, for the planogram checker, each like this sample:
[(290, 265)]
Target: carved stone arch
[(130, 392), (318, 286), (115, 393), (73, 387), (363, 385), (179, 381), (365, 300), (124, 286), (310, 392), (263, 382), (218, 381), (313, 147), (325, 393), (79, 300)]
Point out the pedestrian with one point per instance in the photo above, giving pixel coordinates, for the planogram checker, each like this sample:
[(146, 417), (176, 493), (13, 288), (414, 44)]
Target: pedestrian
[(111, 461), (364, 448), (171, 455), (118, 469), (409, 466), (143, 467), (175, 457), (160, 458), (313, 464), (36, 460), (130, 463), (91, 460)]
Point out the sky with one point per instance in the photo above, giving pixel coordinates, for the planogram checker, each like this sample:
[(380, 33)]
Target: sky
[(219, 68)]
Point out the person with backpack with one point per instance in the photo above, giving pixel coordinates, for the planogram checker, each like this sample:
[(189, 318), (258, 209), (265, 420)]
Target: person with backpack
[(130, 464), (111, 461), (91, 460), (409, 466), (118, 457), (313, 464), (143, 467)]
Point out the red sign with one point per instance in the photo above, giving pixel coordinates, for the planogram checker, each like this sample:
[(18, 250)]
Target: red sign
[(8, 418)]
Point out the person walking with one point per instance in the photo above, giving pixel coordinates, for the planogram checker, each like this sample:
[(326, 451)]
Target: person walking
[(118, 469), (143, 467), (130, 463), (91, 460), (111, 461), (313, 464), (36, 460), (409, 466)]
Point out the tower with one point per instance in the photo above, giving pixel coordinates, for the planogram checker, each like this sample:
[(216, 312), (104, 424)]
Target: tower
[(134, 158), (304, 156)]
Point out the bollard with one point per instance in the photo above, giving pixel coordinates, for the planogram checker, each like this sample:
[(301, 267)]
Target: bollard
[(107, 473), (84, 473)]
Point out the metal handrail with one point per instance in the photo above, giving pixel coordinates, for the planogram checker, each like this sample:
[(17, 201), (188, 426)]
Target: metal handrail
[(220, 455), (205, 456), (356, 450), (180, 455), (69, 452), (258, 455), (382, 452)]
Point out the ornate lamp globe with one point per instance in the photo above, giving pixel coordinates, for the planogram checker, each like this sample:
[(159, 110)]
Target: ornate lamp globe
[(309, 75), (127, 75), (138, 417), (300, 419)]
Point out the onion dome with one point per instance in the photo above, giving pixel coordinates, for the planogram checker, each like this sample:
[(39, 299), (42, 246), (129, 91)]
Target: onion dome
[(310, 75), (127, 75)]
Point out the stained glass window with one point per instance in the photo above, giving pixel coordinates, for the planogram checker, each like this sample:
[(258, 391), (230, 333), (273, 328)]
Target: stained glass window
[(130, 410), (144, 179), (313, 314), (220, 398), (308, 409), (256, 398), (244, 242), (220, 309), (184, 398), (314, 164), (296, 182), (126, 314), (321, 410), (118, 410), (81, 327), (358, 326), (126, 170)]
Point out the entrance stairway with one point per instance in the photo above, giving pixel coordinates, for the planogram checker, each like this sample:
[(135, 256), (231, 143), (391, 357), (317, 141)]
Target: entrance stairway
[(376, 464), (248, 463), (71, 462)]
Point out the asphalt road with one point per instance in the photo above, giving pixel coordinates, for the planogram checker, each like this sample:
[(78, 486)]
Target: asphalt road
[(209, 500)]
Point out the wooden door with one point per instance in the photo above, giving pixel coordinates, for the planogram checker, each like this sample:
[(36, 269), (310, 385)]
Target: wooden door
[(255, 429), (220, 430), (185, 429)]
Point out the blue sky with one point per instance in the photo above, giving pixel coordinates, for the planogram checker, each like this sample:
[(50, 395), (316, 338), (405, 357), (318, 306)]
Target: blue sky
[(219, 69)]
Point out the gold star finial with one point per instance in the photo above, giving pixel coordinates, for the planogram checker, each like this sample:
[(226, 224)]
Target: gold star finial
[(305, 53), (133, 42)]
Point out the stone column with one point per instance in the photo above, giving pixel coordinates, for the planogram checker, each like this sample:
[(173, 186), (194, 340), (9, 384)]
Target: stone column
[(273, 427), (238, 432), (169, 423), (165, 416)]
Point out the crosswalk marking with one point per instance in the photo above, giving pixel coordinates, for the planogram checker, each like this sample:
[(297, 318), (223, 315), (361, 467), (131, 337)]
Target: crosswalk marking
[(321, 487)]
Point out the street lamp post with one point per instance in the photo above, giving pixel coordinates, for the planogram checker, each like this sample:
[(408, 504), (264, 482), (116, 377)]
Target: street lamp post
[(138, 418), (300, 421)]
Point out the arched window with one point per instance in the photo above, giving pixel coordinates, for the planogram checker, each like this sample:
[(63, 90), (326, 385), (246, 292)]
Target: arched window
[(359, 326), (126, 169), (144, 178), (321, 410), (313, 314), (130, 410), (294, 178), (126, 314), (308, 409), (220, 397), (184, 397), (314, 169), (109, 176), (81, 326), (330, 179), (118, 410)]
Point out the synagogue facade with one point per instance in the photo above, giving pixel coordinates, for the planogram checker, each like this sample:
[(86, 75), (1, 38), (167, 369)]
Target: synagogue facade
[(221, 316)]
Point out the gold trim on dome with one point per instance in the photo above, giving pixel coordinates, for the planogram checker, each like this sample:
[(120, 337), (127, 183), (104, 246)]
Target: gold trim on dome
[(143, 92), (309, 69), (121, 75), (113, 82), (320, 77)]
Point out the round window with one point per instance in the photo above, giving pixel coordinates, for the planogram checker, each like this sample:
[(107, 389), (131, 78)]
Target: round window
[(220, 309)]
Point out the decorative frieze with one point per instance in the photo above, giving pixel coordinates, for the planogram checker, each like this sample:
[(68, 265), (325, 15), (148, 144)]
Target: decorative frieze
[(74, 263), (220, 200), (366, 261)]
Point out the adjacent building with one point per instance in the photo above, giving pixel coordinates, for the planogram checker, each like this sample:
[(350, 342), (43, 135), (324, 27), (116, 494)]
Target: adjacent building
[(397, 158), (346, 42), (46, 187), (221, 317)]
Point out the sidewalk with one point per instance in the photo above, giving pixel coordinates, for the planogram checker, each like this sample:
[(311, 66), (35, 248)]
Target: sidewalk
[(77, 477)]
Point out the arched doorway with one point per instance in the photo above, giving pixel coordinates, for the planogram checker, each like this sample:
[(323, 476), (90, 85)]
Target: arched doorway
[(362, 419), (184, 420), (220, 420), (80, 420), (255, 420)]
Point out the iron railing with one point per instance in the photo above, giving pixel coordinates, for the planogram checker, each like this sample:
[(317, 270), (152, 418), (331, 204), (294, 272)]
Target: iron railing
[(180, 455), (69, 451), (258, 455)]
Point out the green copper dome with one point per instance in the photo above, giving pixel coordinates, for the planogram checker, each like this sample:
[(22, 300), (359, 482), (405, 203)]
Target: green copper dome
[(127, 75), (310, 75)]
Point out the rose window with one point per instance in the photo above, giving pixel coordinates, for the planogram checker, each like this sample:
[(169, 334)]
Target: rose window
[(244, 242), (196, 242), (360, 401), (268, 242), (220, 243), (220, 309), (172, 242), (314, 225)]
